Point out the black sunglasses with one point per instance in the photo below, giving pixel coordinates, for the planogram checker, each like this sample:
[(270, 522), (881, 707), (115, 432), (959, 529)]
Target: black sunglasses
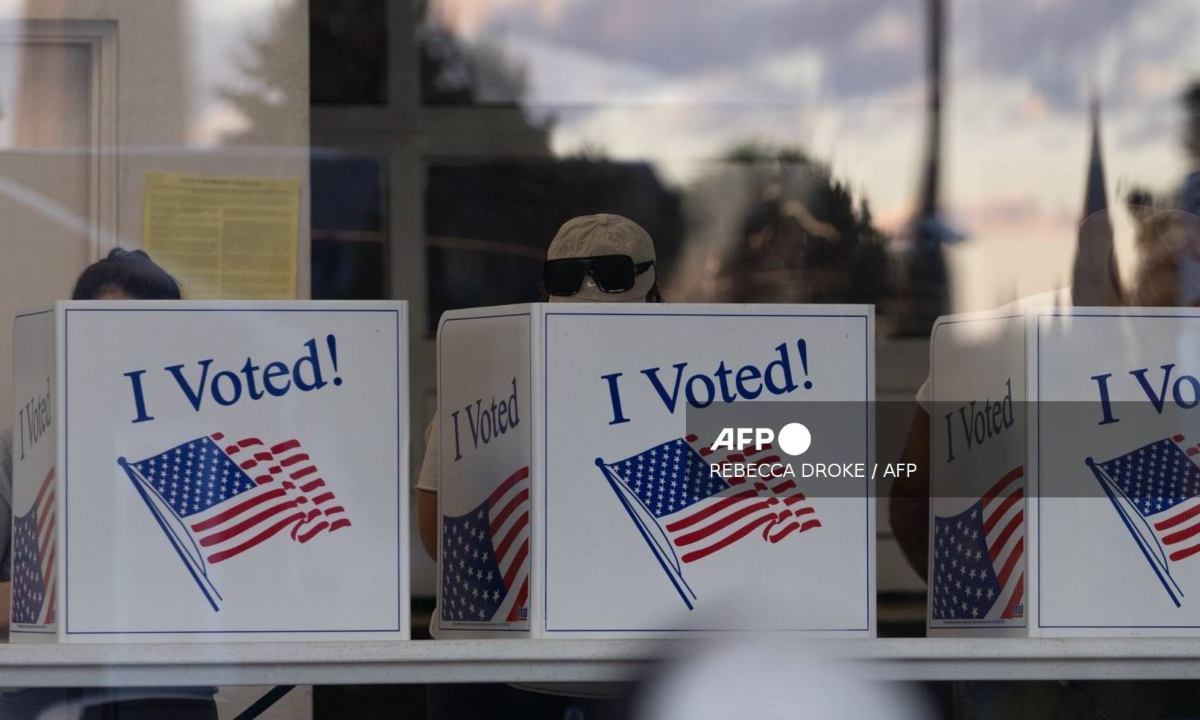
[(612, 273)]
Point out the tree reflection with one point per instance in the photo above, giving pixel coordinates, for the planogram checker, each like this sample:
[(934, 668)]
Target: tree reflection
[(270, 85), (800, 235)]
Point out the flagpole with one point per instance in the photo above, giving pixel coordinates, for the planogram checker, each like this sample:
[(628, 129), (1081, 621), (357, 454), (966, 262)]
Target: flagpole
[(1161, 555), (205, 585), (674, 574), (1163, 574)]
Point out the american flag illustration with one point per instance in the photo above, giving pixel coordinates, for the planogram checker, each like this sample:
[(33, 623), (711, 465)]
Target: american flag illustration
[(216, 500), (33, 590), (1155, 490), (977, 555), (686, 513), (485, 569)]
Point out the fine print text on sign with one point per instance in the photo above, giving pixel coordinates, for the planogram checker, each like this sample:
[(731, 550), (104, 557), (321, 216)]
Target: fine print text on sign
[(225, 237)]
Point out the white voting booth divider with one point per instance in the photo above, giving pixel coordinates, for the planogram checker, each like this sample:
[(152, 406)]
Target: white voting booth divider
[(977, 479), (199, 471), (1109, 446), (574, 502), (1114, 459)]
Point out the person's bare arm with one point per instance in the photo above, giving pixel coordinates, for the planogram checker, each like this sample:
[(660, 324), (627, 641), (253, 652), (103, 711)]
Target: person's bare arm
[(909, 506), (427, 502)]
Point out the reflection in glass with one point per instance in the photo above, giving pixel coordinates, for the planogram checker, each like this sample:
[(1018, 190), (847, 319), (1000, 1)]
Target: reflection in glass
[(488, 223), (349, 227)]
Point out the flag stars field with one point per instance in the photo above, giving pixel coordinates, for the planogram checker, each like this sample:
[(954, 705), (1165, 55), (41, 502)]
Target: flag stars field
[(1162, 484), (984, 545), (488, 553), (227, 518), (698, 513)]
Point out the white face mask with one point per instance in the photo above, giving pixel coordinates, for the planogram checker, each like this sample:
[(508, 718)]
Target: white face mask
[(590, 292)]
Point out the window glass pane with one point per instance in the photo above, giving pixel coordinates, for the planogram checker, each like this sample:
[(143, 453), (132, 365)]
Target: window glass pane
[(348, 45), (349, 228), (488, 222)]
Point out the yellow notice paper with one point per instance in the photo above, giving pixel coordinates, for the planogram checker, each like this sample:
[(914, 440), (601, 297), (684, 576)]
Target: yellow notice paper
[(224, 237)]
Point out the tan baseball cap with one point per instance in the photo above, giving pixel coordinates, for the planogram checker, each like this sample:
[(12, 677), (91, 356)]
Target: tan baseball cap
[(603, 234)]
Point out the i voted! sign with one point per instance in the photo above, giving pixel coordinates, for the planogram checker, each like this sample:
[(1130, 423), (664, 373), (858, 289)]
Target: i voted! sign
[(224, 470), (1061, 435), (1116, 448), (252, 380), (978, 546), (574, 501)]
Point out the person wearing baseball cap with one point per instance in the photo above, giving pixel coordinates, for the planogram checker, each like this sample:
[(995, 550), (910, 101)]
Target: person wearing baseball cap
[(592, 258), (601, 258)]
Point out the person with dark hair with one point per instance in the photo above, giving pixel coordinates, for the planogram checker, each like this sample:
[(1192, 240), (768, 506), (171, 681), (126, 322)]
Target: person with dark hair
[(120, 275), (125, 275)]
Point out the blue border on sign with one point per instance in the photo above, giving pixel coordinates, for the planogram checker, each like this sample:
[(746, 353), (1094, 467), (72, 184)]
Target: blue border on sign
[(1158, 316), (400, 491), (459, 626), (870, 541), (968, 625)]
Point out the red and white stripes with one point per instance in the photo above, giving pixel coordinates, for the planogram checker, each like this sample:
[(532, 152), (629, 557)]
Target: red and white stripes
[(508, 514)]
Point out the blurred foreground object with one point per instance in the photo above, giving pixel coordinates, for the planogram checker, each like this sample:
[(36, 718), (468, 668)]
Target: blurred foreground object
[(774, 681)]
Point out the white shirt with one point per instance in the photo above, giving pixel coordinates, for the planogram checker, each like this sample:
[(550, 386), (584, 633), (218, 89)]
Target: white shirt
[(428, 479), (1051, 298)]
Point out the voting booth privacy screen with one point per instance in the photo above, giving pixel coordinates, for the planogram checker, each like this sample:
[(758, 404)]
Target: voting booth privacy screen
[(576, 501), (195, 471), (1114, 445), (1100, 535), (977, 578)]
